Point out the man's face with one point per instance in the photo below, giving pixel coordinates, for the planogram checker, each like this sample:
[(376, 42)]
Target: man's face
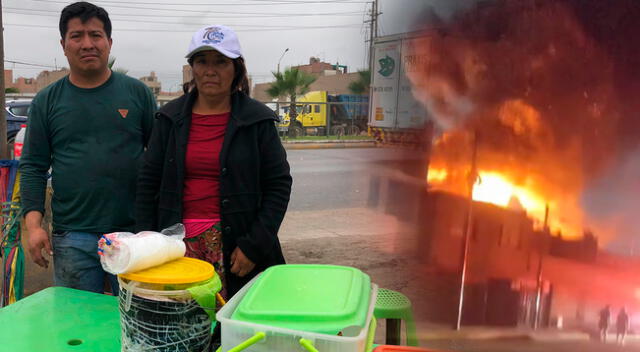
[(86, 46)]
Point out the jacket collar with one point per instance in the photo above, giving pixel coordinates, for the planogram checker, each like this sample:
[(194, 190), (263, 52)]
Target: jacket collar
[(244, 110)]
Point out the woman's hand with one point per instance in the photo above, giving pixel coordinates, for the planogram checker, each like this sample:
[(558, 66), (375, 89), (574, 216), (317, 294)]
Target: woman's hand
[(240, 264)]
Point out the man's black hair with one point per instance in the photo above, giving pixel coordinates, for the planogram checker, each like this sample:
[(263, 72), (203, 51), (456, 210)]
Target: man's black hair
[(84, 11)]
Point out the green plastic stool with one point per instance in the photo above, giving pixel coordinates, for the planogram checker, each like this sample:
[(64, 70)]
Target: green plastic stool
[(396, 307)]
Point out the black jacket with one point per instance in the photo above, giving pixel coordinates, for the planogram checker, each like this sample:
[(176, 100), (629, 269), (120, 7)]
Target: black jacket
[(255, 183)]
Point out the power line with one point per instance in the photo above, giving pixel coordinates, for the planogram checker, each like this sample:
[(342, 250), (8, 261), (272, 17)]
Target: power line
[(258, 14), (190, 30), (260, 3), (55, 13), (28, 63), (159, 22)]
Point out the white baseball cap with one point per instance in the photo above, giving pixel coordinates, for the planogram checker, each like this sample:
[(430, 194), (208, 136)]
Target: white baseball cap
[(216, 37)]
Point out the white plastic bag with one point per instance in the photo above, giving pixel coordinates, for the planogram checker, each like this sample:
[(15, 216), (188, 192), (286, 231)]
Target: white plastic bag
[(125, 252)]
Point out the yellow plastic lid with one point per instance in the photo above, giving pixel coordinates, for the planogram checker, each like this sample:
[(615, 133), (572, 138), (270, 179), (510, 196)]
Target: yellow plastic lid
[(180, 271)]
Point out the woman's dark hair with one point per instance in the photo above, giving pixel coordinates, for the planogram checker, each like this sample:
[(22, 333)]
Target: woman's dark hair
[(240, 79), (85, 11)]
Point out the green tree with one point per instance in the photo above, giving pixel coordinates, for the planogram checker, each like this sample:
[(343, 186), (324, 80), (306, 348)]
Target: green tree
[(291, 83), (361, 86), (112, 60), (12, 90)]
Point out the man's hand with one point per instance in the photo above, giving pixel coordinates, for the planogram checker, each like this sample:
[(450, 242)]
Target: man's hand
[(240, 264), (38, 239)]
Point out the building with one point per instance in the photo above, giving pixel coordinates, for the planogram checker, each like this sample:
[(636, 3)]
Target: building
[(45, 78), (25, 85), (331, 78), (152, 82), (334, 84), (319, 68), (8, 78), (33, 85), (516, 273), (187, 74), (165, 97)]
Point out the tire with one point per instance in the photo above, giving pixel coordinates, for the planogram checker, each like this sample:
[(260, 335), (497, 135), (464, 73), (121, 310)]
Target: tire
[(337, 131), (296, 131), (354, 130)]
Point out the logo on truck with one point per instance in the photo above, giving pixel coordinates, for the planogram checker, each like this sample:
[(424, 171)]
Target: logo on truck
[(387, 65)]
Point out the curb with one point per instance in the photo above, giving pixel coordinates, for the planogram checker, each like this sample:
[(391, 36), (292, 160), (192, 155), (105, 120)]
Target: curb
[(331, 144)]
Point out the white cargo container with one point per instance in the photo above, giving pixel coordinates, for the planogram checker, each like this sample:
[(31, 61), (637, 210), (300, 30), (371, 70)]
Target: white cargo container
[(395, 115)]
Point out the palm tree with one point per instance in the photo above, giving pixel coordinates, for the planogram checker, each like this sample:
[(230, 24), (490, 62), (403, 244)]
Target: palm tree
[(361, 86), (112, 60), (290, 83)]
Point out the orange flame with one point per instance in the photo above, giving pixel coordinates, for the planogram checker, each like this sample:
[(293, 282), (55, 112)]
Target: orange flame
[(497, 188)]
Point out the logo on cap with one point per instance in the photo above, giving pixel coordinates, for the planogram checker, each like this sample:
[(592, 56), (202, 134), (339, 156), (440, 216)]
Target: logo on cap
[(212, 35), (123, 112)]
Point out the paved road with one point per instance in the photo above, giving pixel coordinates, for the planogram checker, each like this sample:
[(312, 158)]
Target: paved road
[(528, 346), (338, 178)]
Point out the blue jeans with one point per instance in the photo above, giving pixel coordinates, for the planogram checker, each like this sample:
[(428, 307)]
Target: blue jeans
[(76, 262)]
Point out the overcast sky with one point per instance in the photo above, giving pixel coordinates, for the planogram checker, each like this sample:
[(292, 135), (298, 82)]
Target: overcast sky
[(153, 35)]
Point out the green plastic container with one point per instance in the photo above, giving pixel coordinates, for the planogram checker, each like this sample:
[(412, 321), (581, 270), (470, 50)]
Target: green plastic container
[(324, 299), (60, 319)]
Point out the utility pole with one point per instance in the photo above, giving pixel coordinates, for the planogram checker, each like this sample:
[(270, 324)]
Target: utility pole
[(373, 31), (278, 102), (375, 18), (4, 152), (473, 176), (536, 318)]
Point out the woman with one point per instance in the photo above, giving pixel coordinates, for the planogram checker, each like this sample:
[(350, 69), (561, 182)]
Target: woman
[(215, 163)]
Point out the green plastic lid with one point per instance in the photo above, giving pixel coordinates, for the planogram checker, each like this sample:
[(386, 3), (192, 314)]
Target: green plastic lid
[(317, 298)]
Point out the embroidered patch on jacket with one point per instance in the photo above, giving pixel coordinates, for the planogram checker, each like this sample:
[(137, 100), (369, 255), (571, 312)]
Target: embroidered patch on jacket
[(123, 112)]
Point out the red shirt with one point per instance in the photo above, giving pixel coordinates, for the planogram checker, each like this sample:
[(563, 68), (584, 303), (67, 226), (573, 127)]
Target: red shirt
[(201, 199)]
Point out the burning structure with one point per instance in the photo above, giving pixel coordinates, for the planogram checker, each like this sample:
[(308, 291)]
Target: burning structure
[(547, 87), (541, 94)]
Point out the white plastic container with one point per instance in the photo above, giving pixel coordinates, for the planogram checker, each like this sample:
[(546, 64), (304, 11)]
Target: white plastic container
[(158, 312), (262, 338)]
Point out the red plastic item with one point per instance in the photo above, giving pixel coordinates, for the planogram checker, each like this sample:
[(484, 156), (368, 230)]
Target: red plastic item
[(17, 150), (390, 348)]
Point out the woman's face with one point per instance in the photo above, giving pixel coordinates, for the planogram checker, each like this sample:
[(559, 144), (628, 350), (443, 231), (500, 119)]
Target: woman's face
[(213, 73)]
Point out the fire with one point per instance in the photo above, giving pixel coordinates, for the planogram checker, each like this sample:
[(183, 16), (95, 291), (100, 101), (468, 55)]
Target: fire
[(497, 188), (437, 175), (493, 188)]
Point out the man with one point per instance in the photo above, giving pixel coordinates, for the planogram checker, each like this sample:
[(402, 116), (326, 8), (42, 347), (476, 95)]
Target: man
[(622, 326), (91, 128), (603, 323)]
